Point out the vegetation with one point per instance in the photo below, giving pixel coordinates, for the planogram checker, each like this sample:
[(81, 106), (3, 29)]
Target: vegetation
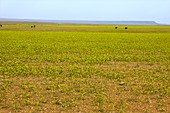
[(83, 28), (46, 70)]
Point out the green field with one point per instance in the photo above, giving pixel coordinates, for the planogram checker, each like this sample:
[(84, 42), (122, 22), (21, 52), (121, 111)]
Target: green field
[(83, 28), (84, 68)]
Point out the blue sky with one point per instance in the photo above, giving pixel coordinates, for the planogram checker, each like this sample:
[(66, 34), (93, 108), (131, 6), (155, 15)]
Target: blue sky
[(107, 10)]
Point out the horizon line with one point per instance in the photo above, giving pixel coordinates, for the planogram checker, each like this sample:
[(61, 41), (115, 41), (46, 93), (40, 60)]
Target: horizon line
[(81, 21)]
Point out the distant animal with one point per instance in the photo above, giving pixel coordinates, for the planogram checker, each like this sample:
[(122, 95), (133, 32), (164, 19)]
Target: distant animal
[(116, 27), (1, 25), (33, 26), (126, 27)]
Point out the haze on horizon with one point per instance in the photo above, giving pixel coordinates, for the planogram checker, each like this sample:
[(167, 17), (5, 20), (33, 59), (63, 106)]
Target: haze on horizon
[(95, 10)]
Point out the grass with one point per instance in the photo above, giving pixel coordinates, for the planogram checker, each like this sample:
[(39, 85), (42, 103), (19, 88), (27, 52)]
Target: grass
[(90, 70), (83, 28)]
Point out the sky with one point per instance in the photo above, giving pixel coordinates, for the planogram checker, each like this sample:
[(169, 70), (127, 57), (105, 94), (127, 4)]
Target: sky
[(97, 10)]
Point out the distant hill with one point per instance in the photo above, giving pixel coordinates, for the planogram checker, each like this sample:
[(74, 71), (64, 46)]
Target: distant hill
[(84, 22)]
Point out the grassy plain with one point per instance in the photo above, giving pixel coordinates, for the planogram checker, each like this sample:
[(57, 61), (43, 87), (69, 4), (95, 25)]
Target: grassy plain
[(84, 68), (83, 28)]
